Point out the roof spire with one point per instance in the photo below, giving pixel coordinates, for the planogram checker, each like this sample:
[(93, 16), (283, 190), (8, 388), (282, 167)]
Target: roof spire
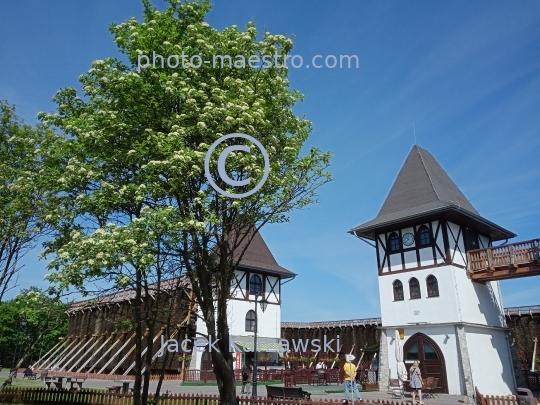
[(423, 188)]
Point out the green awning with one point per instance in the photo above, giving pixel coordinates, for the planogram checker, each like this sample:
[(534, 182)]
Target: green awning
[(264, 346)]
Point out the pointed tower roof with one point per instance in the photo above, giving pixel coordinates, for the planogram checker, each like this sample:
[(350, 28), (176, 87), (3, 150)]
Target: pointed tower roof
[(259, 257), (423, 189)]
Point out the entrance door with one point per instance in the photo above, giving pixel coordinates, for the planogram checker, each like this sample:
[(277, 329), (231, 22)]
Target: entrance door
[(422, 348), (206, 361)]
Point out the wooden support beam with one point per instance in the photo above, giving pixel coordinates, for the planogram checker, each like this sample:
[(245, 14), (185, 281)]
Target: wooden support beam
[(128, 354), (505, 273), (106, 352), (93, 353), (116, 354), (154, 357), (58, 355), (45, 356), (89, 339), (63, 358), (88, 350)]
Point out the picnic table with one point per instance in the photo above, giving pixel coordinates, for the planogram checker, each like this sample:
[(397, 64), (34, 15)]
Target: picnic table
[(125, 385), (57, 381), (79, 381)]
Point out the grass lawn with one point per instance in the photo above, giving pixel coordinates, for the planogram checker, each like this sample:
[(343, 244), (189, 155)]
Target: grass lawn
[(24, 382)]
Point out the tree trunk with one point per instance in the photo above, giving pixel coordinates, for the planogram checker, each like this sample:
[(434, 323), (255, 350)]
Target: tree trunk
[(223, 368), (137, 398)]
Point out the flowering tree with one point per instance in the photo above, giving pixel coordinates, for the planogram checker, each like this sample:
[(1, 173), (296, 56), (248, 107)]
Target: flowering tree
[(19, 197), (128, 196)]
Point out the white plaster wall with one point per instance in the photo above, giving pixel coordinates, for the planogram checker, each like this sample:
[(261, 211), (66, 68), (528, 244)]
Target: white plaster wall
[(460, 299), (478, 303), (490, 361), (456, 251), (426, 256), (410, 259), (440, 243), (269, 320), (238, 285), (268, 327), (448, 348), (395, 262), (273, 297), (483, 241), (429, 310)]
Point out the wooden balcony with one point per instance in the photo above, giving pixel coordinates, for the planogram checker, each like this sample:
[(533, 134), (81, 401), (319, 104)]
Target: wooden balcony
[(513, 260)]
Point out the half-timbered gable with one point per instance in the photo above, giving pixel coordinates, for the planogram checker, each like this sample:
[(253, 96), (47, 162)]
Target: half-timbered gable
[(257, 272), (426, 221)]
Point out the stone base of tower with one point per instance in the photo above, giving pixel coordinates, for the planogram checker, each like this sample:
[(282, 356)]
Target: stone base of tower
[(461, 356)]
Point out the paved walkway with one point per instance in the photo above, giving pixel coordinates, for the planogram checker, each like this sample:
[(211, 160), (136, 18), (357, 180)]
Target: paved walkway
[(317, 392)]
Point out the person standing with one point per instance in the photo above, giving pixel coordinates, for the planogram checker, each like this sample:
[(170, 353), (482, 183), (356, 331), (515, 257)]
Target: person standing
[(416, 382), (350, 378), (246, 378)]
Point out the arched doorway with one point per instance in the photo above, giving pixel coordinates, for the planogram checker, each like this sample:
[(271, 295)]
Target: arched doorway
[(206, 361), (422, 348)]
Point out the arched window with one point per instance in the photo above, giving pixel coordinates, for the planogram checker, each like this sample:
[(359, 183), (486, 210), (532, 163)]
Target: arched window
[(398, 291), (424, 236), (250, 321), (414, 288), (432, 286), (255, 284), (393, 242)]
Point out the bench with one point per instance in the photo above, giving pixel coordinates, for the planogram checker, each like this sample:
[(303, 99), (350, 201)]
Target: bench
[(30, 374), (287, 393)]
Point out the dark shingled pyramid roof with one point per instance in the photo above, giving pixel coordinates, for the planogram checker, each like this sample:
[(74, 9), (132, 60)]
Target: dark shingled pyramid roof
[(259, 257), (422, 188)]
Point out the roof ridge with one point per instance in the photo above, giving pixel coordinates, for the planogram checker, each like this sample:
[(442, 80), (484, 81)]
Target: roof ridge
[(427, 172)]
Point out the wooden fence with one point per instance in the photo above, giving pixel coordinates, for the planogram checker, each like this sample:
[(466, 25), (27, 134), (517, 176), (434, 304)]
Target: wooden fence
[(112, 377), (497, 400), (44, 396)]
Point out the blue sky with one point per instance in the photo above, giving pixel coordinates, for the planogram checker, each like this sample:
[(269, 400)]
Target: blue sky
[(466, 73)]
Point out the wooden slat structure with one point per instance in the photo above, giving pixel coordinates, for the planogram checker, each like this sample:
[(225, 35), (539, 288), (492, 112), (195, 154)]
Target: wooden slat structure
[(503, 262), (332, 324), (521, 311)]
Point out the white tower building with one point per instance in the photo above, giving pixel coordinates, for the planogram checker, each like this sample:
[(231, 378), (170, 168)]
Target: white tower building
[(257, 272), (455, 327)]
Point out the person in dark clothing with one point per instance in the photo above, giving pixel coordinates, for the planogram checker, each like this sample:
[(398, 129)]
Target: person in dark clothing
[(246, 378)]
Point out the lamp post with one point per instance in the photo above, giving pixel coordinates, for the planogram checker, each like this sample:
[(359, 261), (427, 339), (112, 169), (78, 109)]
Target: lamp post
[(264, 304)]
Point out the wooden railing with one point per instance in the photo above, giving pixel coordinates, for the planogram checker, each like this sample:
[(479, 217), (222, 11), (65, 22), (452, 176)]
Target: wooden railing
[(504, 257), (299, 376)]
